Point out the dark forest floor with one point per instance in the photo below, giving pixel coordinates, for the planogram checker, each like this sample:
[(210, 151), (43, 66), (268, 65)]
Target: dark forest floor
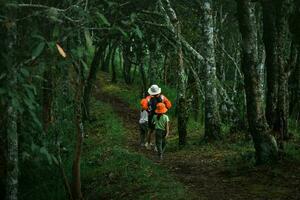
[(204, 171)]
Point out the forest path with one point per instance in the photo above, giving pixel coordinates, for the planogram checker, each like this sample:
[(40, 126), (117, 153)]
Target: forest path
[(203, 173)]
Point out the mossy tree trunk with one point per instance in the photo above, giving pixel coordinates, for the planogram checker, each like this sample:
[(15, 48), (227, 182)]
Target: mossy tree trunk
[(264, 143), (182, 106), (212, 117)]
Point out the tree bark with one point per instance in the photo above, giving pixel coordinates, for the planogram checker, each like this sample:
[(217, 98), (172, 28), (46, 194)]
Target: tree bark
[(47, 98), (127, 65), (276, 15), (107, 58), (113, 67), (295, 91), (12, 149), (90, 82), (76, 178), (180, 38), (264, 143), (212, 117), (182, 107)]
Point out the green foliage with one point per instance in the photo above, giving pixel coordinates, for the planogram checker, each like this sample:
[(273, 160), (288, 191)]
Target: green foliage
[(292, 151)]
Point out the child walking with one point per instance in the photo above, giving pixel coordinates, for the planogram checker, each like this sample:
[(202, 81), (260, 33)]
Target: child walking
[(143, 122), (161, 121)]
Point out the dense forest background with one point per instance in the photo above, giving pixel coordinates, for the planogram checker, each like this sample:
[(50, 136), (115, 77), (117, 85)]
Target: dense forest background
[(72, 74)]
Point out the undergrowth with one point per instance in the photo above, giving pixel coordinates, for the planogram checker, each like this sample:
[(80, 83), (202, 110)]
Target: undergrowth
[(111, 171)]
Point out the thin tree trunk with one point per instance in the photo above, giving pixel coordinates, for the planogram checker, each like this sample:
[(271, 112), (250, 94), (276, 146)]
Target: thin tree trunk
[(212, 117), (182, 107), (106, 60), (113, 67), (281, 124), (90, 82), (47, 97), (165, 78), (152, 70), (76, 178), (127, 65), (264, 143), (12, 159), (143, 79)]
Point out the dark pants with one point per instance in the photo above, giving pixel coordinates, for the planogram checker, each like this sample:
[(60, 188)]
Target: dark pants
[(143, 132), (160, 141), (150, 122)]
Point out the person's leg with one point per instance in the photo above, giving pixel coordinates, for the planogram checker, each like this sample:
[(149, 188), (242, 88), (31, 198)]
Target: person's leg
[(151, 127), (164, 142), (158, 141), (150, 131), (142, 134), (146, 132)]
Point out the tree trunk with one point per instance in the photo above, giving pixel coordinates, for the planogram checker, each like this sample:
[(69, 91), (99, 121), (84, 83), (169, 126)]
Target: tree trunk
[(90, 82), (127, 65), (12, 149), (276, 15), (182, 107), (113, 67), (106, 60), (269, 37), (12, 160), (295, 91), (153, 67), (76, 178), (47, 98), (165, 77), (212, 117), (264, 143)]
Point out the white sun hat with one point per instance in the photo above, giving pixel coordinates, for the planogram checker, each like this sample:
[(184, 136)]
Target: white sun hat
[(154, 90)]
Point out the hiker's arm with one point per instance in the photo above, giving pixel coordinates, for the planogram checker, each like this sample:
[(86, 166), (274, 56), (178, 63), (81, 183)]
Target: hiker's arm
[(168, 129), (167, 102)]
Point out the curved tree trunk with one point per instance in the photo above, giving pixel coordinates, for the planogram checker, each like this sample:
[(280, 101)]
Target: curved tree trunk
[(264, 143)]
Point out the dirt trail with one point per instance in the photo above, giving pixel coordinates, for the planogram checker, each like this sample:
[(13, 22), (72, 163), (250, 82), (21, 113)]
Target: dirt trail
[(203, 176)]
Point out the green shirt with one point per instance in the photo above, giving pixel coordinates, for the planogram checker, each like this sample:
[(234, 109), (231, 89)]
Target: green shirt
[(162, 122)]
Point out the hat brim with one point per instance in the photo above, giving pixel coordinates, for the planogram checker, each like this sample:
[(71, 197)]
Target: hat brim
[(162, 111), (154, 93)]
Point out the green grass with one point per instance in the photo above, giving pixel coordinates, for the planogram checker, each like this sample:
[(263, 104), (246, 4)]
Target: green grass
[(111, 171)]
